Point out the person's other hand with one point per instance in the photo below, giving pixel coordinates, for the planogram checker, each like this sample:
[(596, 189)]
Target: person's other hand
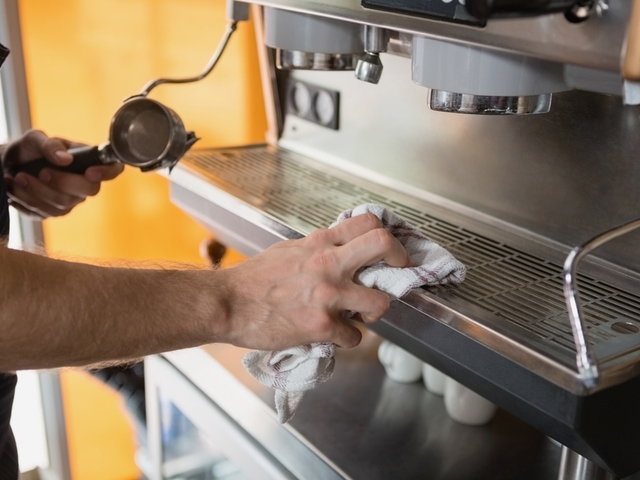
[(295, 292), (54, 192)]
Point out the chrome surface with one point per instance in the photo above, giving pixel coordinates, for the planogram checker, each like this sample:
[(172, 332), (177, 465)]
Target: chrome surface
[(595, 43), (566, 175), (585, 359), (59, 467), (375, 39), (442, 101), (576, 467), (148, 135), (293, 60), (475, 70), (369, 68), (511, 300), (361, 425), (311, 42)]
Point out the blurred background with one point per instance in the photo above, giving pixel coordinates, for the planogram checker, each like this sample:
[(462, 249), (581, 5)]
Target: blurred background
[(83, 58)]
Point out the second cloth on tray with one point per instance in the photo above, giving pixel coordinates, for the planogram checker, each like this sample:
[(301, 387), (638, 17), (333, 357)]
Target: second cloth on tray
[(293, 371)]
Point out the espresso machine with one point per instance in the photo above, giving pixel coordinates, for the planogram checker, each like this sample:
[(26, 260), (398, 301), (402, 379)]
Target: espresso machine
[(508, 132)]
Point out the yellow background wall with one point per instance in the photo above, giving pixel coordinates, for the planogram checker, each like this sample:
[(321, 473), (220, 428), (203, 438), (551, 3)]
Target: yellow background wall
[(83, 58)]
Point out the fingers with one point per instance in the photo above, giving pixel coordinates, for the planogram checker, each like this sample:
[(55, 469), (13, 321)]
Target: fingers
[(369, 303), (40, 198), (371, 247), (104, 173), (63, 183), (52, 148), (370, 306), (55, 193), (345, 335), (352, 228), (366, 242)]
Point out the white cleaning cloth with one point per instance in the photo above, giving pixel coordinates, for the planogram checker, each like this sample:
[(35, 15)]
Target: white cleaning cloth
[(293, 371)]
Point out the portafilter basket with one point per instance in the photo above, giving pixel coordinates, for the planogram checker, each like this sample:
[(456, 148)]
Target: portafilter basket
[(143, 133)]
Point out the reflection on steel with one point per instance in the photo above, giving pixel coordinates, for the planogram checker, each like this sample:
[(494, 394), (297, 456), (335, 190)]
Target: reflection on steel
[(443, 101), (585, 358), (369, 68), (296, 60), (576, 467)]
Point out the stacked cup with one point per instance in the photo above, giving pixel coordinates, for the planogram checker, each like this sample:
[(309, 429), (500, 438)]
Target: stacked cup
[(462, 404)]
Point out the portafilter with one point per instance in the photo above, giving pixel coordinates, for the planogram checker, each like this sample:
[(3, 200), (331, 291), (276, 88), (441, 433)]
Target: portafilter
[(143, 132)]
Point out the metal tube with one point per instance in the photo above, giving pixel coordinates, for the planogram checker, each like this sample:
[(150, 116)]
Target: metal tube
[(375, 39), (585, 359), (576, 467), (231, 27)]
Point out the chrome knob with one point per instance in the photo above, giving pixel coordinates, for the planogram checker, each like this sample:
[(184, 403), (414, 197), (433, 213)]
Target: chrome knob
[(369, 68)]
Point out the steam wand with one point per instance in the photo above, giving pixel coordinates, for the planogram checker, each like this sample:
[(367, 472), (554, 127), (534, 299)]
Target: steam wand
[(236, 12)]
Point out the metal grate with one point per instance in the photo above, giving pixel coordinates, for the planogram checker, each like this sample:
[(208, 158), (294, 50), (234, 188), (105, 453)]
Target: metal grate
[(510, 284)]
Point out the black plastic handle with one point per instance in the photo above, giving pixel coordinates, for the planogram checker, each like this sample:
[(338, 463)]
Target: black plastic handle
[(483, 9), (83, 158)]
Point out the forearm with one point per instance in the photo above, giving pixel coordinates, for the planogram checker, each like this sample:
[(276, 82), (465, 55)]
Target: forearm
[(56, 313)]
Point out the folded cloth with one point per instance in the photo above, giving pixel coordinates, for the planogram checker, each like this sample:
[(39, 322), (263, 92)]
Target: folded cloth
[(293, 371)]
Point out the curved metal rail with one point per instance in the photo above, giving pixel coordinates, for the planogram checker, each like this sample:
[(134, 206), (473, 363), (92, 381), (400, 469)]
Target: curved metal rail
[(586, 360)]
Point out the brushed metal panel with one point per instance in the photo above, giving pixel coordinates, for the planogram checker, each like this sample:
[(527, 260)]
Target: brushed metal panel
[(595, 43), (567, 175)]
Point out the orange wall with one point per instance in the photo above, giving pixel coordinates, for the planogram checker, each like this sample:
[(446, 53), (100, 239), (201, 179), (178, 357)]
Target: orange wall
[(83, 57)]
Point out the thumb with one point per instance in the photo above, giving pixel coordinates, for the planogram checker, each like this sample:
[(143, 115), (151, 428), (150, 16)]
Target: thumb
[(56, 152), (345, 335), (53, 149)]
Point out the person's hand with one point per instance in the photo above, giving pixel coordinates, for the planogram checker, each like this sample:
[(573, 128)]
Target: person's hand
[(54, 192), (295, 292)]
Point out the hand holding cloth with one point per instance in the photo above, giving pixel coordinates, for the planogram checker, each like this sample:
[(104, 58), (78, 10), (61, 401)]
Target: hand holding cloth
[(295, 370)]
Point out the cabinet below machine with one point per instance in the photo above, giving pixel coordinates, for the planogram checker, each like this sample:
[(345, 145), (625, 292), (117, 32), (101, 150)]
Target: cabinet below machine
[(209, 419)]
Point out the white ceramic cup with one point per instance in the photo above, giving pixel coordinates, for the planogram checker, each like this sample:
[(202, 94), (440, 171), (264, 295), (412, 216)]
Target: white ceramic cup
[(466, 406), (433, 379), (400, 365)]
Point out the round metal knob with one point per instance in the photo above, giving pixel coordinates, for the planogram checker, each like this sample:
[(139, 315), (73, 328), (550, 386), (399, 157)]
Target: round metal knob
[(369, 68)]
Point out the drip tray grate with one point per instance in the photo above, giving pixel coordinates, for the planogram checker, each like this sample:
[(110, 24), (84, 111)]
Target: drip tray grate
[(515, 287)]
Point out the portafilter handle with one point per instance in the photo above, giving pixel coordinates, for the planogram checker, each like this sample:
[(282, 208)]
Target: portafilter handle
[(586, 360), (83, 158)]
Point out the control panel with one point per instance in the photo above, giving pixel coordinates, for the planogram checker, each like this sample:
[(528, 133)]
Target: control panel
[(315, 104), (449, 10)]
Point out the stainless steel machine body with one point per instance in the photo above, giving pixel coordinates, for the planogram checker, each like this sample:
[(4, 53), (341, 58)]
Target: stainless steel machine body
[(508, 195)]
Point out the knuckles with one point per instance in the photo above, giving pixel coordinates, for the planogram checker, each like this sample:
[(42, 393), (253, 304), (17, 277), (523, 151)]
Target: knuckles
[(325, 293), (325, 260), (320, 325), (381, 304), (383, 238), (370, 221), (318, 238)]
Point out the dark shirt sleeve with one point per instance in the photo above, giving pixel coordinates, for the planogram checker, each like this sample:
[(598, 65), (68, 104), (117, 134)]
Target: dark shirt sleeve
[(8, 455)]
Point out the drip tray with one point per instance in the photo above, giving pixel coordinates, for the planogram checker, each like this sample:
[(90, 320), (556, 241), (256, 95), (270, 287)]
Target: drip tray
[(503, 332)]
